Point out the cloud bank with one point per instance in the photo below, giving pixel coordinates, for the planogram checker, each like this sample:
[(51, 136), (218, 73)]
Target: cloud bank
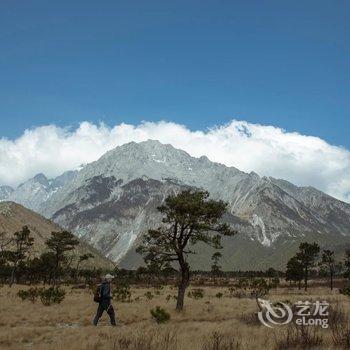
[(267, 150)]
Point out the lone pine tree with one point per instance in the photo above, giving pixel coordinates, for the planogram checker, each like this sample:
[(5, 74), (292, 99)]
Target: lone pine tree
[(188, 218)]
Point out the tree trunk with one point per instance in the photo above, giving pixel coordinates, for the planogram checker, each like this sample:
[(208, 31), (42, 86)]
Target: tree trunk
[(299, 284), (55, 275), (306, 276), (77, 272), (331, 279), (13, 274), (185, 278)]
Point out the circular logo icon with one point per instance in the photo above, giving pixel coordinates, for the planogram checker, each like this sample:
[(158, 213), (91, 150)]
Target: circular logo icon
[(274, 315)]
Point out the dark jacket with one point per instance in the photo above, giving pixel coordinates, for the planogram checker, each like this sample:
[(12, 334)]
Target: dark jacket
[(105, 294)]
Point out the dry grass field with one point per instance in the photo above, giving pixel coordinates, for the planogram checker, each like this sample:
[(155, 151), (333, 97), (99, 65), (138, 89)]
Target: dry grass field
[(209, 323)]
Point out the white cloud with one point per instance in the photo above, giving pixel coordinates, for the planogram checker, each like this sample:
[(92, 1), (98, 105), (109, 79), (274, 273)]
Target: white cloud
[(267, 150)]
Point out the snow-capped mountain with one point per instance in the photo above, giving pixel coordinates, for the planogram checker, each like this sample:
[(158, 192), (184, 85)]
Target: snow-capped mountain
[(5, 192), (34, 192), (113, 200)]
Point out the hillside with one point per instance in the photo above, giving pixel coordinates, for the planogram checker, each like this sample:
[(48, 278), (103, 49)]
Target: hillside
[(14, 216)]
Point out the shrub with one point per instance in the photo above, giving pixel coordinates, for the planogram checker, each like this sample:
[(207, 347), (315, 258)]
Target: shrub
[(239, 290), (149, 295), (242, 283), (122, 293), (259, 288), (197, 293), (30, 294), (169, 297), (345, 291), (275, 282), (219, 295), (237, 293), (160, 315), (52, 295)]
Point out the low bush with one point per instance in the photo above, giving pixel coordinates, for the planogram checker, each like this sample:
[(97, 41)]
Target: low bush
[(197, 293), (169, 297), (345, 291), (275, 282), (52, 295), (237, 292), (259, 288), (30, 294), (160, 315), (149, 295), (122, 293)]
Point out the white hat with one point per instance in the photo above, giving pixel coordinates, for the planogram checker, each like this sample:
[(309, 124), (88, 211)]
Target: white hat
[(109, 276)]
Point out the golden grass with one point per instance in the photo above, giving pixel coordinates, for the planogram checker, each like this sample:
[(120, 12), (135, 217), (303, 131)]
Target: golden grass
[(24, 325)]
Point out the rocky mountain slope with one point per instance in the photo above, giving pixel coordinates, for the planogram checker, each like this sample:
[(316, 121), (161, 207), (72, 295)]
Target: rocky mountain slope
[(34, 192), (112, 201), (14, 216), (5, 192)]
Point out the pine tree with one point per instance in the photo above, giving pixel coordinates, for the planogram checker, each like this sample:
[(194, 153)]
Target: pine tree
[(215, 267), (329, 262), (294, 271), (59, 243), (188, 218), (307, 255), (23, 243)]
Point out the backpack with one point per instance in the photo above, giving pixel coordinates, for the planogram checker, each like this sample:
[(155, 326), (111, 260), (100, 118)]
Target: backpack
[(97, 294)]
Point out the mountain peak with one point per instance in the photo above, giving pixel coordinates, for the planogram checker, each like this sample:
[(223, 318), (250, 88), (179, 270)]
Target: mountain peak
[(41, 178), (152, 142), (254, 174), (145, 151)]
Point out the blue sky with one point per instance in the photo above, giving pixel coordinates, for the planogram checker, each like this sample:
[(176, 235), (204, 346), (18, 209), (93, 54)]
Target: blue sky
[(200, 63)]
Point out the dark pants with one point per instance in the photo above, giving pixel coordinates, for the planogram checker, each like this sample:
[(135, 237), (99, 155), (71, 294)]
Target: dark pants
[(110, 311)]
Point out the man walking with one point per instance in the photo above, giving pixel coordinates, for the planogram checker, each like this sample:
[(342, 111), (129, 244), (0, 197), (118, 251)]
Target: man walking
[(105, 301)]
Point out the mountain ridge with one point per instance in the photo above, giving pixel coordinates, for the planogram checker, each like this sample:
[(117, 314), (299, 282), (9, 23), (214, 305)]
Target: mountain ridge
[(131, 180)]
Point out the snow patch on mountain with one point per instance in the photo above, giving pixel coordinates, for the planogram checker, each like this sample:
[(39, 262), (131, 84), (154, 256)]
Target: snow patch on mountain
[(263, 238)]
